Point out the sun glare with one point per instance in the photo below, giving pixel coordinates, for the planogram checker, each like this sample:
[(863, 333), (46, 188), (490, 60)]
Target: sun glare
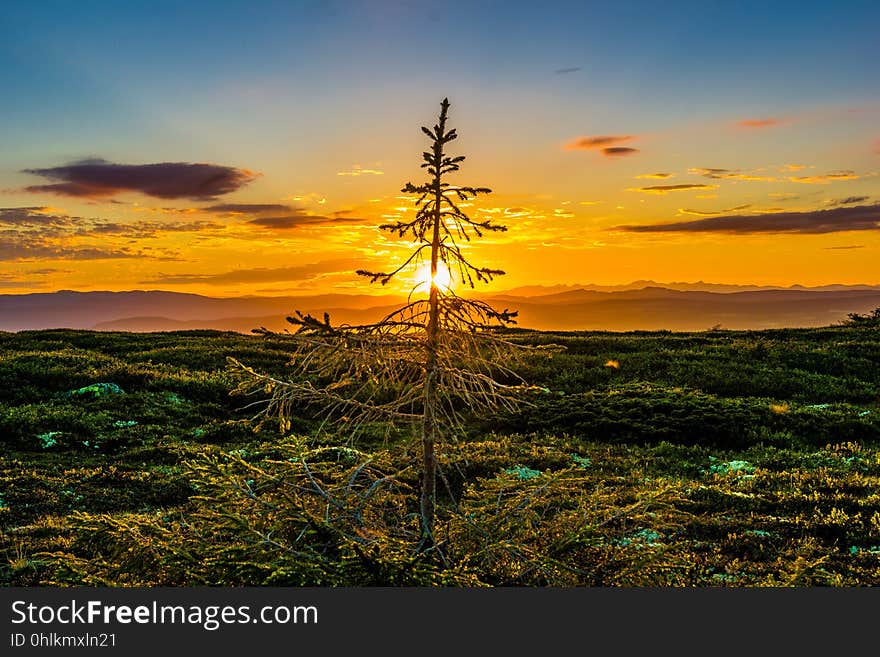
[(443, 279)]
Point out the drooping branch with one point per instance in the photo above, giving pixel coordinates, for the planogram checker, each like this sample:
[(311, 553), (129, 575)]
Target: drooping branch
[(434, 362)]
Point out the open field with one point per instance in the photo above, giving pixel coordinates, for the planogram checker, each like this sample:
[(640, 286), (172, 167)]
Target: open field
[(721, 458)]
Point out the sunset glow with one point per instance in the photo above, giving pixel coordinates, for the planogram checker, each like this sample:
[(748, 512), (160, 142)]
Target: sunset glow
[(267, 170)]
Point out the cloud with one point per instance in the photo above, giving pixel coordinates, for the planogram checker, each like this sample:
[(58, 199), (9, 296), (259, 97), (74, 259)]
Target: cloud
[(759, 123), (787, 168), (570, 69), (33, 217), (617, 151), (169, 180), (298, 219), (849, 200), (729, 174), (712, 213), (665, 189), (707, 172), (357, 170), (147, 229), (826, 178), (247, 208), (815, 222), (599, 142), (28, 233), (262, 274), (24, 247), (845, 248), (28, 278), (655, 176)]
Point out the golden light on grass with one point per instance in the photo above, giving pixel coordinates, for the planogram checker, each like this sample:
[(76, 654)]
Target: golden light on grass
[(780, 408), (613, 364)]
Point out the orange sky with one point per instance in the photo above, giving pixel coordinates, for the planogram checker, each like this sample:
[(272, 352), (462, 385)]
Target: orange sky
[(165, 168)]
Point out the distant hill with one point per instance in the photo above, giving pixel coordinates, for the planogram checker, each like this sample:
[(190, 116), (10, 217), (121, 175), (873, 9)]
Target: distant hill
[(698, 286), (660, 308), (88, 310), (650, 307)]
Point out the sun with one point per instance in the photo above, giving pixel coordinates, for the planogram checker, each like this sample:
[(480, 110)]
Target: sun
[(443, 278)]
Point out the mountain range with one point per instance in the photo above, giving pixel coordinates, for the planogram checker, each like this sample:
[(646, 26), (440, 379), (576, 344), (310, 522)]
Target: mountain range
[(642, 305)]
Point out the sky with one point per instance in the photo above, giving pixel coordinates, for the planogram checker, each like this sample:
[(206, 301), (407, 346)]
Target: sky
[(238, 148)]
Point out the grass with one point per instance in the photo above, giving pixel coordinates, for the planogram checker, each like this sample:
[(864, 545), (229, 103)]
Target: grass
[(722, 458)]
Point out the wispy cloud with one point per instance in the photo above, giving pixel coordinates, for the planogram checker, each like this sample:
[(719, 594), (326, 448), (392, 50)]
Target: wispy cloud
[(837, 220), (570, 69), (147, 229), (28, 278), (168, 180), (246, 208), (608, 145), (655, 176), (357, 170), (849, 200), (600, 141), (617, 151), (729, 174), (665, 189), (300, 219), (825, 179), (847, 247), (712, 213), (262, 274), (768, 122)]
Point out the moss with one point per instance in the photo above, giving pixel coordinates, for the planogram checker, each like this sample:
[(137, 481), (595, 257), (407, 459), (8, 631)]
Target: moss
[(522, 473)]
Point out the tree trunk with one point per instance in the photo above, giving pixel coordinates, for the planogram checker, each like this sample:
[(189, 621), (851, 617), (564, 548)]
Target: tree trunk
[(429, 423)]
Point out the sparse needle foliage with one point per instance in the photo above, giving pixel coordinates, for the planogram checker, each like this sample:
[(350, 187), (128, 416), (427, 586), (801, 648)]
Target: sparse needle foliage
[(433, 362)]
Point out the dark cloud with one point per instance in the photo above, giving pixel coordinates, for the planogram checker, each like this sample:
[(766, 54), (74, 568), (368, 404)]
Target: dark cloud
[(247, 208), (616, 151), (598, 142), (845, 248), (168, 180), (849, 200), (32, 217), (759, 123), (263, 275), (297, 220), (837, 220), (16, 246), (665, 189), (570, 69)]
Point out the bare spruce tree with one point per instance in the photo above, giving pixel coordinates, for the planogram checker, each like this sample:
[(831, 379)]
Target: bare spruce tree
[(431, 363)]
